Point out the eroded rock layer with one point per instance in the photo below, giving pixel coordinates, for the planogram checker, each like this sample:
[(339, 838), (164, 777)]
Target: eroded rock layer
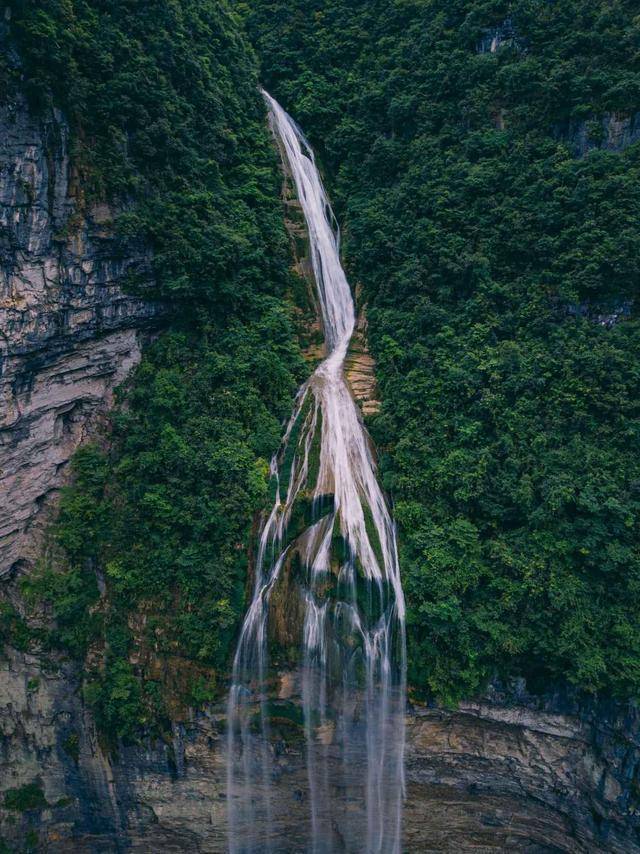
[(69, 333), (497, 775)]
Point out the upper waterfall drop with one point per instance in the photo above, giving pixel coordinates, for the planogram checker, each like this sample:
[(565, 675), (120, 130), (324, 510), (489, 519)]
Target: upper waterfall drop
[(328, 545), (336, 302)]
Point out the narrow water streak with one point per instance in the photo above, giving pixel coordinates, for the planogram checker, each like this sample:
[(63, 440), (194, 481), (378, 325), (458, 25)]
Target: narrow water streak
[(326, 574)]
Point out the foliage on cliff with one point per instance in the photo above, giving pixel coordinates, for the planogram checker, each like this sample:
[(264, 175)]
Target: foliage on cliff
[(494, 235), (164, 101), (169, 127)]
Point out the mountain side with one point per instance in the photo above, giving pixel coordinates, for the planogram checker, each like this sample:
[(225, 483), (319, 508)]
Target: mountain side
[(483, 162), (483, 159)]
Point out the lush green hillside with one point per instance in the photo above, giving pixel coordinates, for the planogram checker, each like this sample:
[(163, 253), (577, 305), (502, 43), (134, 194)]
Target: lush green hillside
[(165, 111), (488, 243)]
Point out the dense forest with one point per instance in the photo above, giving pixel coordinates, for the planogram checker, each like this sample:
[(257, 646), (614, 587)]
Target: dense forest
[(495, 231), (167, 123), (492, 217)]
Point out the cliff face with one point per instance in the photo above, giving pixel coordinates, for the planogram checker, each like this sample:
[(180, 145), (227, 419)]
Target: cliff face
[(610, 132), (491, 776), (523, 776), (68, 332)]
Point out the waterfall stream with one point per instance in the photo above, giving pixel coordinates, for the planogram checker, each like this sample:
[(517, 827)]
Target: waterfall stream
[(327, 556)]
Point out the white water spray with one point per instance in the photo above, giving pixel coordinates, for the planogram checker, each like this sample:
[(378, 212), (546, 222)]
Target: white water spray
[(330, 539)]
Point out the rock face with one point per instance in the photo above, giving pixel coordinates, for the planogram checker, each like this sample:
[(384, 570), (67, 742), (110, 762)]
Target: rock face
[(609, 132), (502, 35), (519, 777), (497, 775), (360, 367), (68, 332), (503, 774)]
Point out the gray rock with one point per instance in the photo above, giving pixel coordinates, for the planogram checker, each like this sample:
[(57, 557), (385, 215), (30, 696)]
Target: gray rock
[(69, 333), (495, 775), (503, 35), (609, 132)]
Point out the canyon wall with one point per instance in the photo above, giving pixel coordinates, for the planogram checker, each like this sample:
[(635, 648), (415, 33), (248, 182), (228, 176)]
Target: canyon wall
[(503, 774), (69, 334), (506, 773)]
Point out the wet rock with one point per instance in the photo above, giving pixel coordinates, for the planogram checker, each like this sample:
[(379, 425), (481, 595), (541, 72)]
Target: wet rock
[(505, 773)]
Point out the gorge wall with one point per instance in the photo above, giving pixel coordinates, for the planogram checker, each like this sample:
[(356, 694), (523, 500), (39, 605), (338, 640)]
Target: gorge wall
[(69, 334), (496, 775), (501, 774), (507, 773)]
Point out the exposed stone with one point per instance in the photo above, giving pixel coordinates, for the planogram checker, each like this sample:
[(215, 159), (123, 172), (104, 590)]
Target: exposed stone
[(514, 778), (69, 334), (607, 317), (610, 132), (502, 35), (489, 776), (360, 367)]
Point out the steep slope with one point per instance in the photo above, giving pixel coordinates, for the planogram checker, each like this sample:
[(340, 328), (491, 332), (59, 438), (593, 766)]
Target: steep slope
[(70, 333), (483, 159), (503, 774), (486, 170), (139, 180)]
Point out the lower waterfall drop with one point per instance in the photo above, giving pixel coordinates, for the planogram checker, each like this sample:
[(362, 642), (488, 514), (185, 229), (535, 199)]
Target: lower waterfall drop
[(328, 549)]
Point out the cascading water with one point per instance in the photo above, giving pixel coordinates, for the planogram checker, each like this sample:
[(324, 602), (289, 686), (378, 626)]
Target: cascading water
[(329, 547)]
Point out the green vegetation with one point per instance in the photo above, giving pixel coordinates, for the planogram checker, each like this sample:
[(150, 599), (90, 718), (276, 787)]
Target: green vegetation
[(165, 113), (71, 746), (13, 629), (488, 242), (27, 797), (164, 101)]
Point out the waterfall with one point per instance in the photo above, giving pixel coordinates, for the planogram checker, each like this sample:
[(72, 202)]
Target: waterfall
[(328, 547)]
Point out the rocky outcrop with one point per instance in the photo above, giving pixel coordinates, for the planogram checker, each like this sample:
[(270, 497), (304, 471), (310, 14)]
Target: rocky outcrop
[(519, 777), (502, 35), (69, 333), (609, 132), (360, 367), (496, 775), (47, 741)]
